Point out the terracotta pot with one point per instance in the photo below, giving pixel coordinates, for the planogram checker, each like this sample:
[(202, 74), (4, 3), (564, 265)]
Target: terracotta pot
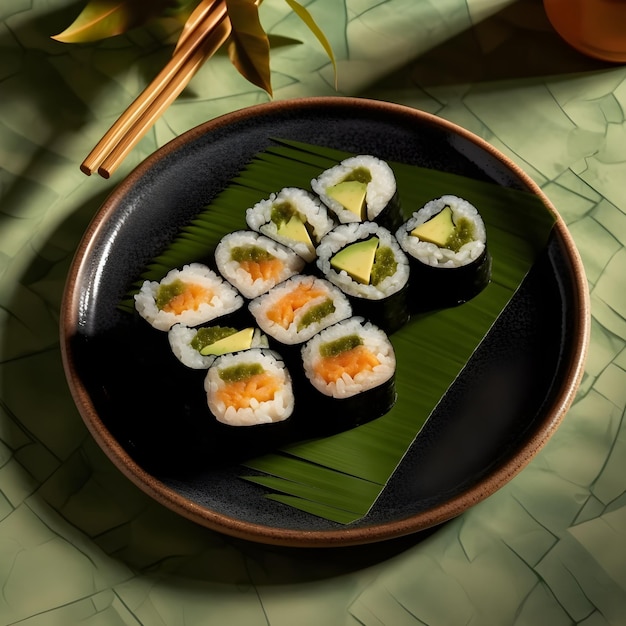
[(596, 28)]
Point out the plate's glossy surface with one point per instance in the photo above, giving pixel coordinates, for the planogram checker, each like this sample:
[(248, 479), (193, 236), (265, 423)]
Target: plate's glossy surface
[(498, 414)]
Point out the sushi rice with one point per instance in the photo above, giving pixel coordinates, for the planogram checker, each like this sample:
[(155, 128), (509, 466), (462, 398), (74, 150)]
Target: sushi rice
[(249, 388), (180, 338)]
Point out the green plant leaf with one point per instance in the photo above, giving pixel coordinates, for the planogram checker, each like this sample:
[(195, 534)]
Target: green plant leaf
[(101, 19), (279, 41), (179, 8), (306, 17), (248, 46)]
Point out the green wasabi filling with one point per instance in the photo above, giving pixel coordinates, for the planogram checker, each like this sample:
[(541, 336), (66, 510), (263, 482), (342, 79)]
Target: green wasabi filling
[(242, 254), (282, 212), (360, 174), (463, 233), (166, 293), (317, 313), (385, 265), (343, 344), (235, 373), (208, 336)]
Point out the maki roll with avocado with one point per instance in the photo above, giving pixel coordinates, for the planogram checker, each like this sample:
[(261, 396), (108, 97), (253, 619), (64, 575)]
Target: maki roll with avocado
[(361, 189), (197, 348), (446, 242), (351, 366), (254, 263), (365, 261), (249, 388), (293, 217), (192, 295), (296, 309)]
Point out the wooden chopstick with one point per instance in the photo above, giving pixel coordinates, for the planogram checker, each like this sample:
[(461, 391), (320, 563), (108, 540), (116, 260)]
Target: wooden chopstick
[(163, 99), (199, 14), (188, 57)]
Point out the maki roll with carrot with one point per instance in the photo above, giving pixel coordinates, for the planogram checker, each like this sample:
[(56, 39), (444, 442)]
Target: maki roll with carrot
[(254, 263), (192, 295), (446, 242), (361, 188), (351, 370), (296, 309), (365, 261), (249, 388)]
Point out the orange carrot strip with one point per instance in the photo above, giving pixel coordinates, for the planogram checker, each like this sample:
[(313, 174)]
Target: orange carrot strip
[(193, 296), (284, 310), (266, 270), (351, 362), (262, 387)]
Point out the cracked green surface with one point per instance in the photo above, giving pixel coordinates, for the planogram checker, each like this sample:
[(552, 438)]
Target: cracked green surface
[(80, 544)]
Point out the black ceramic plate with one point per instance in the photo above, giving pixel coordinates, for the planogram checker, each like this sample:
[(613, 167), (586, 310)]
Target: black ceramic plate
[(517, 386)]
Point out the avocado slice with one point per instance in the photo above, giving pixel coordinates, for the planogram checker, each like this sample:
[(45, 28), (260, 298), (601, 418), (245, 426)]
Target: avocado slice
[(294, 228), (357, 259), (241, 340), (351, 195), (439, 229)]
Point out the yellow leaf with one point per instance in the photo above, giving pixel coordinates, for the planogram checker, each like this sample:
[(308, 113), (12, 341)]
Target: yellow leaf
[(248, 47), (106, 18), (306, 17)]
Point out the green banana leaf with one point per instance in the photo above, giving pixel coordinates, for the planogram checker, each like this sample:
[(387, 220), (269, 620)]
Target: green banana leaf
[(340, 477)]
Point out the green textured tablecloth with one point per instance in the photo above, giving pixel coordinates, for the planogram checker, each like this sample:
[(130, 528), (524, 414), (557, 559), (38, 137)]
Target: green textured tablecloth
[(80, 544)]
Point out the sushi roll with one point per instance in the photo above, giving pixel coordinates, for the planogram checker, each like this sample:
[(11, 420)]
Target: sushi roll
[(351, 366), (296, 309), (365, 261), (254, 263), (249, 388), (192, 295), (446, 242), (359, 189), (294, 217), (197, 348)]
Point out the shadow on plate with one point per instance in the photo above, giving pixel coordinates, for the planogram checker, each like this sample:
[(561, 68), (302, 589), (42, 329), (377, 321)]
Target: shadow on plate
[(85, 490)]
